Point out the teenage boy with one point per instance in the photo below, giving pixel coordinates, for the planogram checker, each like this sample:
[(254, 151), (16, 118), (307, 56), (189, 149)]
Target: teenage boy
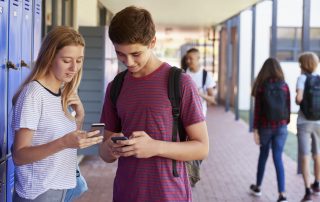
[(143, 113), (205, 84)]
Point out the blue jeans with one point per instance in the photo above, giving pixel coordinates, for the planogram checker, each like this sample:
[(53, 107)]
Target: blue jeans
[(276, 139), (80, 188)]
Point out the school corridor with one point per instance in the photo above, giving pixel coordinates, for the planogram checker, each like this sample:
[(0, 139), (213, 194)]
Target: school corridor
[(226, 174)]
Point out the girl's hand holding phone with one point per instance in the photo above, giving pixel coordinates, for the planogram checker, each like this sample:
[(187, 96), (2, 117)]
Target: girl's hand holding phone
[(81, 139)]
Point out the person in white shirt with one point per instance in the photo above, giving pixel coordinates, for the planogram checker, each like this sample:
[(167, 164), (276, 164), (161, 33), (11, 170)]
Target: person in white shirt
[(204, 83)]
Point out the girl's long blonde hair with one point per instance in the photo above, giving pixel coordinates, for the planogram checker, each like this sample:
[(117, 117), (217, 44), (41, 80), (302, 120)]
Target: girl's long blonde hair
[(55, 40)]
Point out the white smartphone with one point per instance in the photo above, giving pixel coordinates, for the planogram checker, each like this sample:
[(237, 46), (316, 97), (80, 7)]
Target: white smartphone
[(98, 126)]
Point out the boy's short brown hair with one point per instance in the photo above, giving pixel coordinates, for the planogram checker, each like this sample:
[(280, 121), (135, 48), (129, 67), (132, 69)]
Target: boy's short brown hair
[(132, 25), (308, 62)]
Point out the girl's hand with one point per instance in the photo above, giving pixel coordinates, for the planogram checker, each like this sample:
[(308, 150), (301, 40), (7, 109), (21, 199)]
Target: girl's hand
[(81, 139), (76, 104), (256, 137)]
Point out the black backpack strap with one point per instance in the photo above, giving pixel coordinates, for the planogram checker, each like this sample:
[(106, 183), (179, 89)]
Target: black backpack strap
[(204, 77), (175, 99), (116, 87)]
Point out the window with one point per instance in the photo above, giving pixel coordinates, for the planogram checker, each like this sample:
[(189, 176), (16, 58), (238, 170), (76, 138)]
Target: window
[(315, 40), (288, 43)]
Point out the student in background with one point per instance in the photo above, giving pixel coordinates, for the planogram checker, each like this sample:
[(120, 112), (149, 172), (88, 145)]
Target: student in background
[(271, 116), (46, 134), (203, 80), (143, 113), (308, 127)]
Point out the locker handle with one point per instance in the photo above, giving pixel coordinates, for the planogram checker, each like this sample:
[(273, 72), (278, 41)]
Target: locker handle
[(24, 64), (11, 65)]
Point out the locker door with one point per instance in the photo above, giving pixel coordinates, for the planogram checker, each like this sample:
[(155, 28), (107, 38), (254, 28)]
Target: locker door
[(36, 28), (3, 181), (3, 76), (26, 40), (10, 179), (14, 59)]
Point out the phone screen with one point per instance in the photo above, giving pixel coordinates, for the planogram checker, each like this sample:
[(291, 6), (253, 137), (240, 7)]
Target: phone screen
[(98, 126)]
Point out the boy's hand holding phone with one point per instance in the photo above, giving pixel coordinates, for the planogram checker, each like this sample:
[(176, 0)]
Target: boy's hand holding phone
[(118, 138)]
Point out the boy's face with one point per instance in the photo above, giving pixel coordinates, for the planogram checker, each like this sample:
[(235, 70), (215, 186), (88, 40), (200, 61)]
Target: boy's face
[(134, 56), (192, 60)]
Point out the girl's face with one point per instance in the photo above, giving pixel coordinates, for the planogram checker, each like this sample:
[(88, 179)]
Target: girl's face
[(67, 62)]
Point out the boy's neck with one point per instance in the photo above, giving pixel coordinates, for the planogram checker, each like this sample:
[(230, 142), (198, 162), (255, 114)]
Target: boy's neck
[(195, 69), (153, 64)]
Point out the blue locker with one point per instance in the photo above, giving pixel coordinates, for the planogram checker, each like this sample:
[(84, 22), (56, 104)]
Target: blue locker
[(26, 38), (14, 60), (3, 181), (10, 179), (37, 22), (3, 76)]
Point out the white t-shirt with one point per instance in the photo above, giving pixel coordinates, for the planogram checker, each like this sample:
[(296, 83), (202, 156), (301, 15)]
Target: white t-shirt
[(210, 83), (300, 85), (40, 110)]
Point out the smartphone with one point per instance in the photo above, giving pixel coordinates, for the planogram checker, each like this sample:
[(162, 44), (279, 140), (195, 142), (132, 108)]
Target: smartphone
[(98, 126), (114, 139)]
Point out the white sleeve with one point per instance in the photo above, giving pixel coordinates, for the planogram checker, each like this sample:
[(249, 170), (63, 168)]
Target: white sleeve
[(210, 83), (27, 112), (301, 81)]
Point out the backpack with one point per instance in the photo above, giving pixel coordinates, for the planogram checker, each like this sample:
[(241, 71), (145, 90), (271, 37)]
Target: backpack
[(275, 101), (193, 167), (310, 105), (204, 77)]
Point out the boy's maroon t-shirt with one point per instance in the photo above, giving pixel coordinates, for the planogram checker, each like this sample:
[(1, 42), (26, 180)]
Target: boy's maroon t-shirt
[(143, 105)]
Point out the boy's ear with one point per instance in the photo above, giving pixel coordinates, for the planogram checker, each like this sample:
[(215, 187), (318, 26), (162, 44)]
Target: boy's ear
[(153, 42)]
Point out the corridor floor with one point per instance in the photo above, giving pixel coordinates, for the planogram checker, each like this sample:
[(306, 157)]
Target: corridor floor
[(226, 174)]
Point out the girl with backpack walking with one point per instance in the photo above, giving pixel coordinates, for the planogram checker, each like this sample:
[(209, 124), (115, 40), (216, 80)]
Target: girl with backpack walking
[(308, 122), (271, 116)]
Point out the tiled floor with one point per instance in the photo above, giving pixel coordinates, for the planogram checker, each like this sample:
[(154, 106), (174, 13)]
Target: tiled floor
[(226, 174)]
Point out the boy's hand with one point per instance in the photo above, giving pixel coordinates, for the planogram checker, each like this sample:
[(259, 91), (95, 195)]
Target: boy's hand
[(114, 146), (140, 145)]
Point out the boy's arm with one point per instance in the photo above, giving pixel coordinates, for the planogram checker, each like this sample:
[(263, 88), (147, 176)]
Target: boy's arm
[(196, 148), (299, 96), (209, 97)]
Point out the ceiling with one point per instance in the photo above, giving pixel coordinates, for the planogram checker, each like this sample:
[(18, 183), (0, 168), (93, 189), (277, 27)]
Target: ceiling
[(185, 13)]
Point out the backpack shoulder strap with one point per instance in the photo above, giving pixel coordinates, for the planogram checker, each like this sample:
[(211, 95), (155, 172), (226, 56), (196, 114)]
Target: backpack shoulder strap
[(175, 99), (204, 77), (116, 87)]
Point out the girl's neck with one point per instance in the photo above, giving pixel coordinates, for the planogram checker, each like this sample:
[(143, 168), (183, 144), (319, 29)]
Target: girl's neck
[(50, 83)]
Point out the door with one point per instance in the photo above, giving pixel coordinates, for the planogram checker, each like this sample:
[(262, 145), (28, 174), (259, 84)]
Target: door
[(3, 181), (10, 179), (14, 59), (3, 76), (26, 38), (36, 29)]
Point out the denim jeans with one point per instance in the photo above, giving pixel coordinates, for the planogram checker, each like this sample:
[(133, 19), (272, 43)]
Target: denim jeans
[(274, 138), (80, 188)]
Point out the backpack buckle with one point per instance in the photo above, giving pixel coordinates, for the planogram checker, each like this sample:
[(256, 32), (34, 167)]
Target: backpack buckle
[(175, 112)]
